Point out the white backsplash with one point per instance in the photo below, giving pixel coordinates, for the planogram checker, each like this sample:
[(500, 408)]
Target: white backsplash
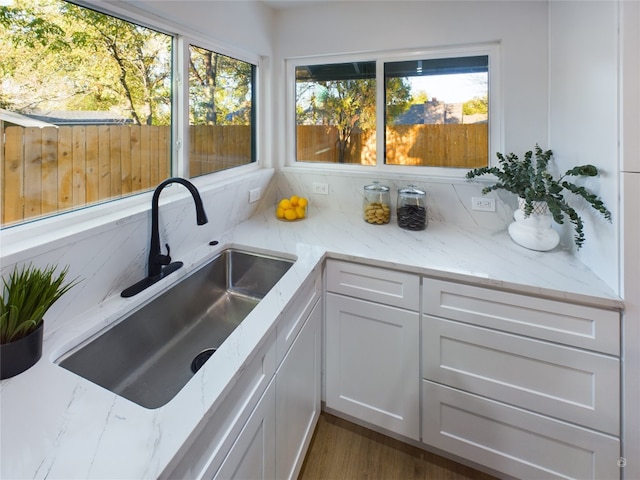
[(446, 201)]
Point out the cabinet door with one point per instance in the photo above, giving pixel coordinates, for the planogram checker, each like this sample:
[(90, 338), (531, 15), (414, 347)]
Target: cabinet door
[(372, 363), (252, 456), (298, 397)]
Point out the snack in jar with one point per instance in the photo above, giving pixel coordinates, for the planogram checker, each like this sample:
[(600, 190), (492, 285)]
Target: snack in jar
[(376, 204)]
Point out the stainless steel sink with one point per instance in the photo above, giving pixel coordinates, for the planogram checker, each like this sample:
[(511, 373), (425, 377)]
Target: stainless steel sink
[(151, 354)]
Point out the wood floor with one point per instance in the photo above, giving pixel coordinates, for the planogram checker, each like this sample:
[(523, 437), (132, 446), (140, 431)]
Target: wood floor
[(341, 450)]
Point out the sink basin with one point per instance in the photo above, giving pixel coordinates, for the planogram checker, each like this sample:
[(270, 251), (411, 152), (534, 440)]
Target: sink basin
[(151, 354)]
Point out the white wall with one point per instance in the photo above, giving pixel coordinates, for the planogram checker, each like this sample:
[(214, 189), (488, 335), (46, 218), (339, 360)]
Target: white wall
[(357, 26), (583, 116), (242, 24)]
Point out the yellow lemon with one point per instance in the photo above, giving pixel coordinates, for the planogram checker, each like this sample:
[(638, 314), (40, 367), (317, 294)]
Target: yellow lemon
[(290, 214), (285, 203), (300, 212), (280, 212), (302, 202), (294, 200)]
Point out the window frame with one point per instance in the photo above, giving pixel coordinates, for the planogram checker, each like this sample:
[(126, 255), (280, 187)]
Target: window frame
[(40, 231), (496, 128)]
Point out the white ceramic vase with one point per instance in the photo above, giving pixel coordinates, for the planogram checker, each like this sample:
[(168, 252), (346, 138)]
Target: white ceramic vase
[(534, 232)]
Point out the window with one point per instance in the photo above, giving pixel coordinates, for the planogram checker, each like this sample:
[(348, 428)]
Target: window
[(221, 113), (336, 113), (434, 110), (88, 109), (445, 122)]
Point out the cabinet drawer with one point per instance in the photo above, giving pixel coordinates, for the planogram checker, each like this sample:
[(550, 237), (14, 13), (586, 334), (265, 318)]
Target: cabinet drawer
[(295, 315), (513, 441), (575, 385), (377, 284), (577, 325)]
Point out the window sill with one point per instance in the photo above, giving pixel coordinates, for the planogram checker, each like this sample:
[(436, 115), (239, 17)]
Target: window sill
[(400, 172)]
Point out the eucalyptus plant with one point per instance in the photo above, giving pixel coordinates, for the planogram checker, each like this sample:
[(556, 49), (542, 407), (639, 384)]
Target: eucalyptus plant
[(532, 181), (27, 295)]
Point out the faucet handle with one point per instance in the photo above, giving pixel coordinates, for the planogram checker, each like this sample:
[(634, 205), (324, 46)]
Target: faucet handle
[(164, 259)]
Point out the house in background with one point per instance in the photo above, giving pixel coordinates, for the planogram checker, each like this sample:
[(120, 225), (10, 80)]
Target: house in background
[(437, 112)]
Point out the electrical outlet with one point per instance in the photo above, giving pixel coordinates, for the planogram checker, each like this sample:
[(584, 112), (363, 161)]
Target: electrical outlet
[(321, 188), (254, 195), (483, 204)]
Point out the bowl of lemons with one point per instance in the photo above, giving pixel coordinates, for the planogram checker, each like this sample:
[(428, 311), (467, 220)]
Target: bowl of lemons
[(292, 209)]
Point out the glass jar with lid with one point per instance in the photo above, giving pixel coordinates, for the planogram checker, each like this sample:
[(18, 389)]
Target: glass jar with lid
[(376, 204), (411, 208)]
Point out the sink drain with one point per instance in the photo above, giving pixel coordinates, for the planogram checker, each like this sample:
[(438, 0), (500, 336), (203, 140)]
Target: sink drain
[(201, 358)]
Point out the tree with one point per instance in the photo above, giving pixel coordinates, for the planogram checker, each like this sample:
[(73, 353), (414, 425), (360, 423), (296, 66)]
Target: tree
[(66, 57), (476, 105), (348, 105), (219, 88), (419, 98)]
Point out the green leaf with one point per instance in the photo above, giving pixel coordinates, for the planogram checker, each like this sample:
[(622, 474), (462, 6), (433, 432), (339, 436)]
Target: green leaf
[(27, 295), (530, 179)]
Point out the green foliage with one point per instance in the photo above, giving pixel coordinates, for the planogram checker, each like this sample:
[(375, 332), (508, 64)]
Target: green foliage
[(419, 98), (28, 294), (533, 182), (220, 89), (476, 105)]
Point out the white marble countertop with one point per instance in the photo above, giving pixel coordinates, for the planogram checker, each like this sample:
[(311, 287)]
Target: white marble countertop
[(57, 425)]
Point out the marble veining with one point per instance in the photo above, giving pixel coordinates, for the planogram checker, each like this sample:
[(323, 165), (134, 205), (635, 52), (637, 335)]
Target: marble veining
[(58, 425)]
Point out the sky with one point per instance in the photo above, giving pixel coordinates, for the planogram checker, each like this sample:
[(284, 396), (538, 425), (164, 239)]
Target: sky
[(451, 88)]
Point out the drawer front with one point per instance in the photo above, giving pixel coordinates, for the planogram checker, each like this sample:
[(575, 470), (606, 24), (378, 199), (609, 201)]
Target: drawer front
[(295, 315), (577, 325), (513, 441), (575, 385), (376, 284)]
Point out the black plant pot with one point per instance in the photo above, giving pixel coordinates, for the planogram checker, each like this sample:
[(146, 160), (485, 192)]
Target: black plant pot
[(18, 356)]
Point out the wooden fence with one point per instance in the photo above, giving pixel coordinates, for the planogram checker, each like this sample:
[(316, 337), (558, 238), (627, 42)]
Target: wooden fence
[(49, 170), (451, 145)]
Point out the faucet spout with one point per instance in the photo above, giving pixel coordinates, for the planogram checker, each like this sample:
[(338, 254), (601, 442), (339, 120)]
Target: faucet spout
[(160, 265)]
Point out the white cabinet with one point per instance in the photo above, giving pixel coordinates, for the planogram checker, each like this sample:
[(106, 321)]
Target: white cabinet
[(372, 346), (298, 397), (252, 456), (498, 390), (630, 93)]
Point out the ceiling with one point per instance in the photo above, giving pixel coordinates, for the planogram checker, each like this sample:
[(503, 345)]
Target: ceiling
[(284, 4)]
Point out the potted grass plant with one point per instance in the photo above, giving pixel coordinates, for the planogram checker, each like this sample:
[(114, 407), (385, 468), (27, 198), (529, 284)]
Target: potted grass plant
[(541, 197), (26, 296)]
